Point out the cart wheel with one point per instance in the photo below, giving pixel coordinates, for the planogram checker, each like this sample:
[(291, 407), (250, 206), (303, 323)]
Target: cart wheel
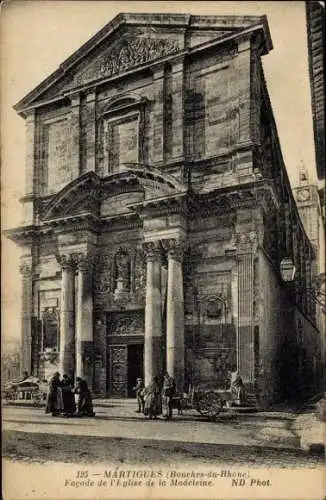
[(37, 401), (209, 404)]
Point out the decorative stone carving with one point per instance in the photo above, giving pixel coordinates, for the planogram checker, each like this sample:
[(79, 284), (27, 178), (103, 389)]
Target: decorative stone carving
[(103, 282), (66, 261), (122, 273), (83, 261), (131, 323), (139, 272), (153, 250), (125, 55), (214, 306), (25, 270), (247, 242), (118, 363), (174, 248)]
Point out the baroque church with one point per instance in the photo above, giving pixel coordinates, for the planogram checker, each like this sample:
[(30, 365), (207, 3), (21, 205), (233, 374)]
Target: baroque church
[(160, 229)]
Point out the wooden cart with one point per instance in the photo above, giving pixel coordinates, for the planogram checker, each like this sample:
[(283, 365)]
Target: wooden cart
[(29, 391)]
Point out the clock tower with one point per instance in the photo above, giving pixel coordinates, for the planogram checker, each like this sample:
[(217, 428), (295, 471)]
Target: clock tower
[(307, 199)]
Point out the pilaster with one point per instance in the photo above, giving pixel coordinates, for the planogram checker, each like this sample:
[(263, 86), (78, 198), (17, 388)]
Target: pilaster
[(31, 173), (157, 132), (26, 319), (244, 59), (91, 131), (75, 134), (246, 247), (177, 93)]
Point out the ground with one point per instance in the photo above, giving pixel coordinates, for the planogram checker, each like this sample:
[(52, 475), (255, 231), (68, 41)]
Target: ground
[(120, 438)]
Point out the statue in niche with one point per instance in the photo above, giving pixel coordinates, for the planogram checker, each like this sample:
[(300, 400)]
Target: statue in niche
[(122, 282), (140, 272)]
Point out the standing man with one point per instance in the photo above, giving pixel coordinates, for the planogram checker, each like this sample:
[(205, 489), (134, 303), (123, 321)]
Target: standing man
[(139, 387), (168, 392)]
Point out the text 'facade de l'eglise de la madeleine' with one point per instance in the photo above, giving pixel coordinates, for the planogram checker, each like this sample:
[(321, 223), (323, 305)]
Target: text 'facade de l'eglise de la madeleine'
[(157, 213)]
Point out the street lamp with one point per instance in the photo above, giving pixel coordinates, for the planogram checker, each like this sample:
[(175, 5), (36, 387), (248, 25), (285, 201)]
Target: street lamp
[(287, 269)]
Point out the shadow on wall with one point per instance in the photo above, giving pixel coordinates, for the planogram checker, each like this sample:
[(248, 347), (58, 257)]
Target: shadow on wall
[(294, 373)]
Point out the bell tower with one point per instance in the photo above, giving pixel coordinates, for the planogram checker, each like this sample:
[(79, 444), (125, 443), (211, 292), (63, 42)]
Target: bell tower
[(308, 203)]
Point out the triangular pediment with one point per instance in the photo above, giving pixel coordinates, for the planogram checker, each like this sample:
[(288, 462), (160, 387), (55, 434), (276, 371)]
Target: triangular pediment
[(132, 41)]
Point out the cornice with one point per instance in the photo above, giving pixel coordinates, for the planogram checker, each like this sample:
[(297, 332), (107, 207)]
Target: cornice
[(164, 205), (86, 221), (22, 235)]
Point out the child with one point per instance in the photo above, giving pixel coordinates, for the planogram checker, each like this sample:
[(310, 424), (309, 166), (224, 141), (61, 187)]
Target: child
[(139, 387)]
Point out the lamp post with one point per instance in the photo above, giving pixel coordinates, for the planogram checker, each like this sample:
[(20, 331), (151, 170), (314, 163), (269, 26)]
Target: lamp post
[(287, 270)]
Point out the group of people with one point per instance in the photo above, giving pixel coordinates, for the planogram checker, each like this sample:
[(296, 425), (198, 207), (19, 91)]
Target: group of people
[(156, 398), (61, 397)]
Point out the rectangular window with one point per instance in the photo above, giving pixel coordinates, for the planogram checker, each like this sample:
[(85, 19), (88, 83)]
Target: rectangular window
[(122, 144)]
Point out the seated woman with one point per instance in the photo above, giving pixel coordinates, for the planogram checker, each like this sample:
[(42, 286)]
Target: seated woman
[(68, 399), (152, 399), (237, 388), (84, 404)]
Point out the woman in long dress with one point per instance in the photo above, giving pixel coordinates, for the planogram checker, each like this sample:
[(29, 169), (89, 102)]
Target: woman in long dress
[(152, 399), (69, 405), (84, 404), (54, 403)]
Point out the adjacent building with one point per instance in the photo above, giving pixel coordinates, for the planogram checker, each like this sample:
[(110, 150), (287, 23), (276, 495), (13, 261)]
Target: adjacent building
[(160, 228)]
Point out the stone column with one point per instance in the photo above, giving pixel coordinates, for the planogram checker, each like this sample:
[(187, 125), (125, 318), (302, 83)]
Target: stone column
[(67, 316), (153, 360), (175, 348), (26, 320), (84, 320)]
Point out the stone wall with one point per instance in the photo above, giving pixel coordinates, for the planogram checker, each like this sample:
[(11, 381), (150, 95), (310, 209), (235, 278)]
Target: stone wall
[(270, 323), (190, 109), (210, 332), (310, 369)]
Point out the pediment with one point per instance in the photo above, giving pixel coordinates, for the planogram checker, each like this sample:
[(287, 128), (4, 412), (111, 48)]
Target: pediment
[(112, 195), (132, 41)]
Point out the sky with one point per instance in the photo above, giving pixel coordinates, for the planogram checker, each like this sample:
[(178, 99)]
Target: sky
[(37, 36)]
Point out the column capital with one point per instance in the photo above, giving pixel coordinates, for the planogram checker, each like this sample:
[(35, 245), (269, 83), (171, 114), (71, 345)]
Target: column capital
[(66, 261), (153, 250), (247, 242), (25, 270), (174, 248), (83, 261)]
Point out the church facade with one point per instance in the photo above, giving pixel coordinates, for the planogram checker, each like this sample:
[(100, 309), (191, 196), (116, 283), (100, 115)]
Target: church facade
[(158, 214)]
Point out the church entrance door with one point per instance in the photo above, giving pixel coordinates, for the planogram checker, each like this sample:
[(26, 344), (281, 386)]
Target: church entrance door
[(135, 366)]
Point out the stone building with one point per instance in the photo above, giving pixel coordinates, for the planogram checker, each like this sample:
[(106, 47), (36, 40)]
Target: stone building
[(159, 215)]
